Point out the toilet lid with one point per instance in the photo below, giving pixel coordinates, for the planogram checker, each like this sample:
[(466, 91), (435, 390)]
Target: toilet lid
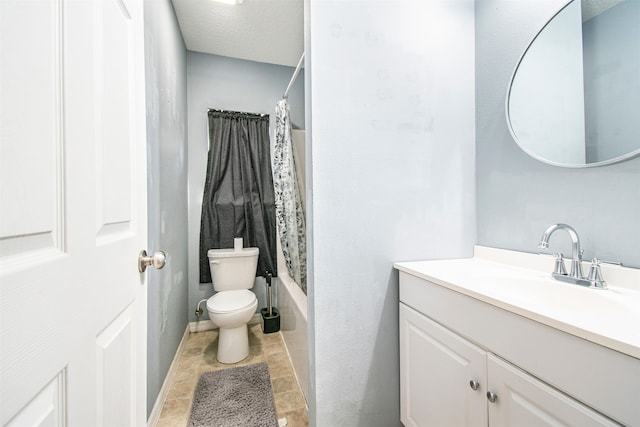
[(226, 301)]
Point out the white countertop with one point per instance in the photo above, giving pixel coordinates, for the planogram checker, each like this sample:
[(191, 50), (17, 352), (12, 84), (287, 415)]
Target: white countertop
[(521, 283)]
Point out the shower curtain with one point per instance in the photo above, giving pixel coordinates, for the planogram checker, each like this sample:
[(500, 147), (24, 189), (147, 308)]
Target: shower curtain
[(289, 212), (238, 199)]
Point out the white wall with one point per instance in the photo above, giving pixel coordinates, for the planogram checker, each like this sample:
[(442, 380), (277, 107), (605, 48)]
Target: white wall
[(166, 94), (228, 84), (391, 124)]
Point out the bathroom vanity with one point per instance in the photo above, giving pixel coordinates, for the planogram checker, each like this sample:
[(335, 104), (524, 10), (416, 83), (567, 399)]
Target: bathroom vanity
[(492, 340)]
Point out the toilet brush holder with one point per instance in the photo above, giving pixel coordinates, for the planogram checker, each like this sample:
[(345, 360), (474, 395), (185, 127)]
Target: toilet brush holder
[(270, 314), (270, 321)]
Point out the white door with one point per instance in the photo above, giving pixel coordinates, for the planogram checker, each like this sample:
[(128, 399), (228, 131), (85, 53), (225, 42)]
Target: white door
[(437, 368), (72, 213)]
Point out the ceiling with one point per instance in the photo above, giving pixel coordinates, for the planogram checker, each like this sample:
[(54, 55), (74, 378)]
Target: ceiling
[(269, 31), (591, 8)]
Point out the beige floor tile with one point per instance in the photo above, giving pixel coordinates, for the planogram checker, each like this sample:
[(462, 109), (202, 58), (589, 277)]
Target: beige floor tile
[(280, 368), (185, 374), (256, 350), (199, 356), (176, 408), (249, 361), (297, 418), (271, 338), (195, 351), (289, 400), (209, 359), (199, 338), (255, 332), (284, 384), (277, 356), (273, 348), (183, 389), (209, 368), (188, 362), (173, 422)]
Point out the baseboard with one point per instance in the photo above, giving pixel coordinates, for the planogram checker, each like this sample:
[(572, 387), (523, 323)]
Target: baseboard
[(207, 325), (157, 407)]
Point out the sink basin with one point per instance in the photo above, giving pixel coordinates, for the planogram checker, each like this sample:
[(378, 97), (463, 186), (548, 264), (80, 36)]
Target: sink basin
[(546, 293)]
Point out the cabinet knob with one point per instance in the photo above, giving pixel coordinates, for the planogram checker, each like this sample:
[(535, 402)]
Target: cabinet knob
[(474, 384), (492, 396)]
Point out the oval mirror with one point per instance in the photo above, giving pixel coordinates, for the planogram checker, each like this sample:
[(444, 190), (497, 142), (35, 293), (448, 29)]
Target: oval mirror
[(574, 97)]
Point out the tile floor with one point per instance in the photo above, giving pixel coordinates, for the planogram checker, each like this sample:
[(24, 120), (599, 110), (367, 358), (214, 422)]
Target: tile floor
[(199, 356)]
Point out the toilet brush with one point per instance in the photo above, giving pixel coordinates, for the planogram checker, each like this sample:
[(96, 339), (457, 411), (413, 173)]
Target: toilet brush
[(270, 314)]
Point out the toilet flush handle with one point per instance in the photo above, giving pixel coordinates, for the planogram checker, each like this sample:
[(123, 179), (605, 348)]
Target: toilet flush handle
[(158, 260)]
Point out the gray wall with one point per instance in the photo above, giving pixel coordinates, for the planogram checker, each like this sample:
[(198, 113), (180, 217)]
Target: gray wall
[(390, 121), (228, 84), (166, 83), (517, 196)]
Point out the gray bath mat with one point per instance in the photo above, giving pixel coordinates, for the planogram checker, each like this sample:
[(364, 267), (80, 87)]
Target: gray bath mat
[(234, 397)]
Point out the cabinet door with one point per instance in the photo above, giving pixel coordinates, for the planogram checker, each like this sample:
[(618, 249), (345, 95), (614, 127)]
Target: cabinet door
[(436, 367), (523, 401)]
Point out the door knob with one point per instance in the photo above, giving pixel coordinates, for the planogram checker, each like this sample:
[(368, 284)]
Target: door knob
[(158, 260), (474, 384), (492, 396)]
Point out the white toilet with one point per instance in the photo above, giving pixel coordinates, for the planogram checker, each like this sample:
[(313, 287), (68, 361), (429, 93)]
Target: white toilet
[(233, 273)]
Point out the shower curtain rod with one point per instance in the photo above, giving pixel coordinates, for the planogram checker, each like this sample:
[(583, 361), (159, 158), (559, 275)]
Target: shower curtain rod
[(215, 110), (293, 78)]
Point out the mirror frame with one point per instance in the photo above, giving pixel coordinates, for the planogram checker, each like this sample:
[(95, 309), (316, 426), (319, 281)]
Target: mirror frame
[(528, 151)]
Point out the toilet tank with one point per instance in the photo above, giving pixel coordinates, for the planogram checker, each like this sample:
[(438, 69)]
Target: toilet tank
[(233, 269)]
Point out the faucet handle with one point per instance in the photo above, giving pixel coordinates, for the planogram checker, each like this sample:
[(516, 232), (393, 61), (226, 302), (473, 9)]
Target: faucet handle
[(595, 275), (559, 265)]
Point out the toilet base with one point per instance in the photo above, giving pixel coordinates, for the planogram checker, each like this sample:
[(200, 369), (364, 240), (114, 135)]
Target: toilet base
[(233, 344)]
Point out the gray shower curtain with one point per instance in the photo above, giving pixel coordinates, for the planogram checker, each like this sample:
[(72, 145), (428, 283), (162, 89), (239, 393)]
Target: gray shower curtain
[(238, 199)]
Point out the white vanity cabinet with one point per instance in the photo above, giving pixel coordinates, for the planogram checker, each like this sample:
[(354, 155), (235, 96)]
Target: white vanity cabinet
[(436, 370), (449, 381), (522, 400), (457, 353)]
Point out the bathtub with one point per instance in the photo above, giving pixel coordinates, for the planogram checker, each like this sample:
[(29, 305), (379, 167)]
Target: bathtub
[(292, 303), (290, 299)]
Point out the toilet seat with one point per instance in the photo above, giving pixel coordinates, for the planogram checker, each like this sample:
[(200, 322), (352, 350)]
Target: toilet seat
[(230, 301)]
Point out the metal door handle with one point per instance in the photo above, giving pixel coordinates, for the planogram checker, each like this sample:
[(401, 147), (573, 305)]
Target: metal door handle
[(492, 396), (158, 260), (474, 384)]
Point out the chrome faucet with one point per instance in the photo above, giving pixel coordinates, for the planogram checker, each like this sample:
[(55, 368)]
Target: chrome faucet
[(575, 275), (576, 253)]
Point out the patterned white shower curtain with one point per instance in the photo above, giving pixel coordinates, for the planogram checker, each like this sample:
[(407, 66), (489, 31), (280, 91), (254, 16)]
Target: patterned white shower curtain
[(289, 212)]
